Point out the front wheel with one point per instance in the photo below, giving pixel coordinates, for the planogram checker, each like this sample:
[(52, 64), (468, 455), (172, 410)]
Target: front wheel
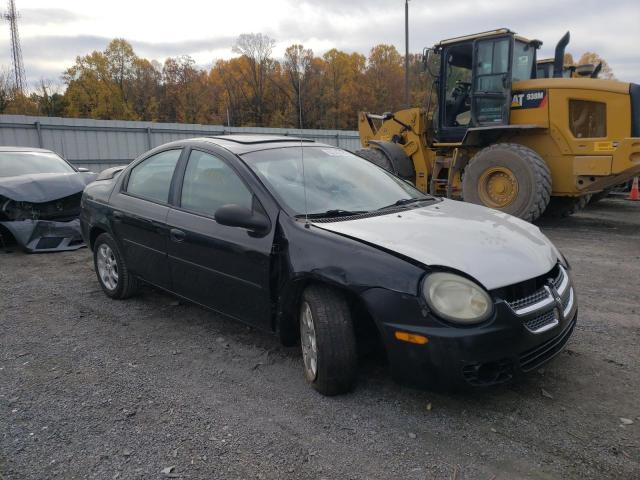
[(328, 341), (509, 177)]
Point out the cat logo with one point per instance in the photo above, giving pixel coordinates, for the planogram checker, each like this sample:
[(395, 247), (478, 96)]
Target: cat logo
[(529, 99)]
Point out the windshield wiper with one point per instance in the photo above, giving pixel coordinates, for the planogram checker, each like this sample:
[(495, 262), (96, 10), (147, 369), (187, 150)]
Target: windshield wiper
[(332, 213), (407, 201)]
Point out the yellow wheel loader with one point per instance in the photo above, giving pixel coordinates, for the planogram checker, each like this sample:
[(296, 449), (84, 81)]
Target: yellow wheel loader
[(501, 137)]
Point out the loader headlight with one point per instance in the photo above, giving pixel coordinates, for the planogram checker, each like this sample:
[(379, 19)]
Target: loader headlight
[(456, 299)]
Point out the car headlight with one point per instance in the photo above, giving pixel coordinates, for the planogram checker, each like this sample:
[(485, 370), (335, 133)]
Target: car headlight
[(456, 299)]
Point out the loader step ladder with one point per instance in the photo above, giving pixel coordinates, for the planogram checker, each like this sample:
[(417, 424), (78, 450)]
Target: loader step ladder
[(445, 169)]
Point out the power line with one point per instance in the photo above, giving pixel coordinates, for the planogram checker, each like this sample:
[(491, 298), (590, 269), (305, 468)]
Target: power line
[(16, 51)]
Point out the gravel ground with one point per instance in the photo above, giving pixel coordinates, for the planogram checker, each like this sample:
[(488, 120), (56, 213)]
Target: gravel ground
[(152, 388)]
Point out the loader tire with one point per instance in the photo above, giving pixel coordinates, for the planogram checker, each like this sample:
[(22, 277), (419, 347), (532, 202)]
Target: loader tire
[(562, 207), (377, 157), (596, 197), (509, 177)]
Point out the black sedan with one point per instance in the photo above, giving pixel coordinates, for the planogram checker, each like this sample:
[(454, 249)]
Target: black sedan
[(40, 200), (326, 249)]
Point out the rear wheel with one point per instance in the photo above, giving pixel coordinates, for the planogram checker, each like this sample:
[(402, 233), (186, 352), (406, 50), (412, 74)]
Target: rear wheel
[(561, 207), (596, 197), (114, 276), (328, 341), (508, 177), (375, 156)]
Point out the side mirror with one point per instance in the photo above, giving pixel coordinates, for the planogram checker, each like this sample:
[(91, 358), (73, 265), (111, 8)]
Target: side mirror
[(82, 169), (236, 216)]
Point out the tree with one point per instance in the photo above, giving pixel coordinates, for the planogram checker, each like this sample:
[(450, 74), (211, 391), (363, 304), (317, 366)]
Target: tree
[(5, 90), (343, 74), (97, 85), (297, 67), (257, 49), (385, 76), (144, 89), (47, 99), (594, 59)]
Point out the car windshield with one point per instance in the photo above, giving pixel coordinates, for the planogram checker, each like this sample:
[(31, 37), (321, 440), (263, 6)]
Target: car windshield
[(24, 163), (336, 181)]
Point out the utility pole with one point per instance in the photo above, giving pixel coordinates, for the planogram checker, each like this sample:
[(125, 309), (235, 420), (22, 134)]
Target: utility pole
[(16, 52), (406, 53)]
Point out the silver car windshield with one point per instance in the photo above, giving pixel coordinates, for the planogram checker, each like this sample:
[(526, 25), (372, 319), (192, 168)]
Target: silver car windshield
[(13, 164), (330, 180)]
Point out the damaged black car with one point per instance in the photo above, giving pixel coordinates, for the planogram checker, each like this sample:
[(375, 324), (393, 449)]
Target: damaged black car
[(333, 253), (40, 197)]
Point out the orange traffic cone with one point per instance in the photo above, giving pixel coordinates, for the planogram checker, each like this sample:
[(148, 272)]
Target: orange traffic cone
[(634, 194)]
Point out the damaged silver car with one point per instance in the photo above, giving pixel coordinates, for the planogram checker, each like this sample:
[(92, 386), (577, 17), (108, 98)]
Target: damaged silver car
[(40, 196)]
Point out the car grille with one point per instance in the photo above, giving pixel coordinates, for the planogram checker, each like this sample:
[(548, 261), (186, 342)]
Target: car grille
[(529, 299), (62, 209), (532, 359), (539, 310), (543, 322)]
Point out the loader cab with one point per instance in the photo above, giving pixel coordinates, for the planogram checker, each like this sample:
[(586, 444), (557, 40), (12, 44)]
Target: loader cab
[(474, 80)]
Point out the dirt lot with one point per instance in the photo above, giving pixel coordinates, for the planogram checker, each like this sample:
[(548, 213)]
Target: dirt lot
[(95, 388)]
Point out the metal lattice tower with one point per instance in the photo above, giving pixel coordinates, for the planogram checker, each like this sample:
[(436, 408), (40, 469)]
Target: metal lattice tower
[(16, 52)]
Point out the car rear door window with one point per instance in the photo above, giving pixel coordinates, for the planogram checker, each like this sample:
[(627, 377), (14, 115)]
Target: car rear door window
[(151, 179), (209, 183)]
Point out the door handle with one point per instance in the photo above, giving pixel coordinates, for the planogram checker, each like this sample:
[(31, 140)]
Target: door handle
[(177, 235), (117, 214)]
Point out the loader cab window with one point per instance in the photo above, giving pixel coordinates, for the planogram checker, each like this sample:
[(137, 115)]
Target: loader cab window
[(524, 56), (457, 86)]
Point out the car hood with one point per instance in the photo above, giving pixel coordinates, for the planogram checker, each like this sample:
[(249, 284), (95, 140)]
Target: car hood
[(494, 248), (44, 187)]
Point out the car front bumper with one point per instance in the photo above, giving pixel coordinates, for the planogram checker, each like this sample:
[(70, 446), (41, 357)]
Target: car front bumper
[(505, 347), (45, 235)]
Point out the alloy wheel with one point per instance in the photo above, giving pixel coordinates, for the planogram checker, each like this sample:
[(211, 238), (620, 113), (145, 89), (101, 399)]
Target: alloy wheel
[(309, 343), (107, 267)]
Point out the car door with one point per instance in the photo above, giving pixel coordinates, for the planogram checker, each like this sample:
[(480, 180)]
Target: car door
[(139, 215), (491, 81), (221, 267)]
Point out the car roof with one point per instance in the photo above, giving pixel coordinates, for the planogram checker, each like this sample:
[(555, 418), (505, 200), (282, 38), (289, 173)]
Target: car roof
[(244, 143), (24, 149)]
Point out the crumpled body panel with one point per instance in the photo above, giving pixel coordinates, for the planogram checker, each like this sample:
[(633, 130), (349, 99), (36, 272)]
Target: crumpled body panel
[(46, 236)]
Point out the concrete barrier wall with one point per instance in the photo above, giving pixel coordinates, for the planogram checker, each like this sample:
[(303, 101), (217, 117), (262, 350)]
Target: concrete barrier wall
[(99, 144)]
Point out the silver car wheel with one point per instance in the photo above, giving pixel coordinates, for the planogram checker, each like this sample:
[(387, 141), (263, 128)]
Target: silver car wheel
[(107, 267), (309, 344)]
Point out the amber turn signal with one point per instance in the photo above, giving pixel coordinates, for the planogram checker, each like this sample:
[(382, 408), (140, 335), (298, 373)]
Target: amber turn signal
[(411, 338)]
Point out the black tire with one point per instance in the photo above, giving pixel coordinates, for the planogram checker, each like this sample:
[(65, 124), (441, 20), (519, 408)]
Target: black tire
[(562, 207), (377, 157), (336, 358), (529, 169), (596, 197), (127, 285)]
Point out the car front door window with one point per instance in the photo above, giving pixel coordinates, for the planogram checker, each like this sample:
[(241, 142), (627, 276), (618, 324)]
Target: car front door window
[(209, 183)]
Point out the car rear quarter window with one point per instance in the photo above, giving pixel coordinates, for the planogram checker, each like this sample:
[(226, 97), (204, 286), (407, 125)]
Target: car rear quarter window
[(151, 179), (209, 183)]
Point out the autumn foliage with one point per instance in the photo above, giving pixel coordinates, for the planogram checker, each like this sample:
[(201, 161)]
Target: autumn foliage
[(252, 89)]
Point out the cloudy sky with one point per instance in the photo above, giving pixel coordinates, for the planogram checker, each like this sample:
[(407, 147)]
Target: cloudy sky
[(54, 32)]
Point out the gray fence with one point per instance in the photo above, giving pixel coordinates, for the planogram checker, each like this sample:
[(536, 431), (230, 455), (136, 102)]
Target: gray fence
[(99, 144)]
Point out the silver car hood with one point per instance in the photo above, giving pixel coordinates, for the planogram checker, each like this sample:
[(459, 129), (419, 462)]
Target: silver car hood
[(494, 248)]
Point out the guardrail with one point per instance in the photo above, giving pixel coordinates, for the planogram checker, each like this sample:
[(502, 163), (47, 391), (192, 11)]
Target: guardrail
[(99, 144)]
